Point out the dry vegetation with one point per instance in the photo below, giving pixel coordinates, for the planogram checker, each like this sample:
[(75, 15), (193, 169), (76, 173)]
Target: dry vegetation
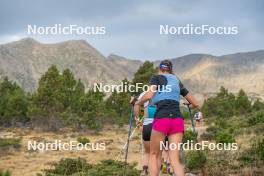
[(23, 162)]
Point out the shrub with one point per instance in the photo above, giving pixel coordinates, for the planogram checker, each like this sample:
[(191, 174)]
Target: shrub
[(77, 167), (224, 136), (83, 140), (195, 159), (226, 104), (113, 168), (68, 166), (189, 136), (5, 173), (224, 124), (222, 105), (210, 133), (255, 152), (256, 118), (6, 143), (247, 157), (242, 103), (260, 149), (258, 105)]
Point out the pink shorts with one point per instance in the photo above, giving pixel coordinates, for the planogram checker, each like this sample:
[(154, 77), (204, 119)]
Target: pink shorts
[(169, 126)]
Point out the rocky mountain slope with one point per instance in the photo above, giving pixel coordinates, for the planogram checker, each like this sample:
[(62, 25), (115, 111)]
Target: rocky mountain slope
[(206, 73), (24, 61)]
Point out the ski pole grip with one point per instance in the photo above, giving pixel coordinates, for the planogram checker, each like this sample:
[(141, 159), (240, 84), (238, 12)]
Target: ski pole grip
[(133, 100)]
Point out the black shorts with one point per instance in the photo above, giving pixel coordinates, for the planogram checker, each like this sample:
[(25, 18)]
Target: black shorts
[(146, 132)]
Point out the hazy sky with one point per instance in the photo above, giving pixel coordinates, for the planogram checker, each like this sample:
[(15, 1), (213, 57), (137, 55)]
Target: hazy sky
[(132, 27)]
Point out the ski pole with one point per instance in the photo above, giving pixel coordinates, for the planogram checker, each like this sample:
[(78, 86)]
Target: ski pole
[(125, 145), (129, 134), (190, 111)]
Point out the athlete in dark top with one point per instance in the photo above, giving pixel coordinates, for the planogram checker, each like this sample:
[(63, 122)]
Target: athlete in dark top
[(165, 91), (167, 107)]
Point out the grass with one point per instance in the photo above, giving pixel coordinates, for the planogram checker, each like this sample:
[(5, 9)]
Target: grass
[(6, 143), (5, 173)]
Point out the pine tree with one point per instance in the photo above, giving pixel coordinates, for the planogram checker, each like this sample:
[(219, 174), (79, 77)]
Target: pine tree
[(68, 86), (13, 103), (48, 94), (222, 105), (79, 92), (118, 105), (144, 74), (243, 104), (92, 108)]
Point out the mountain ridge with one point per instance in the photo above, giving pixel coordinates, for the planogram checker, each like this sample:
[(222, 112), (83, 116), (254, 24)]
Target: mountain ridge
[(24, 61)]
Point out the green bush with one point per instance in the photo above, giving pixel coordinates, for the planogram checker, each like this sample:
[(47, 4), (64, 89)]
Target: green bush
[(222, 105), (221, 123), (224, 136), (83, 140), (6, 143), (226, 104), (195, 159), (242, 103), (258, 129), (68, 166), (210, 133), (5, 173), (247, 157), (113, 168), (256, 118), (260, 149), (77, 167), (258, 105), (189, 136), (255, 152), (222, 132)]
